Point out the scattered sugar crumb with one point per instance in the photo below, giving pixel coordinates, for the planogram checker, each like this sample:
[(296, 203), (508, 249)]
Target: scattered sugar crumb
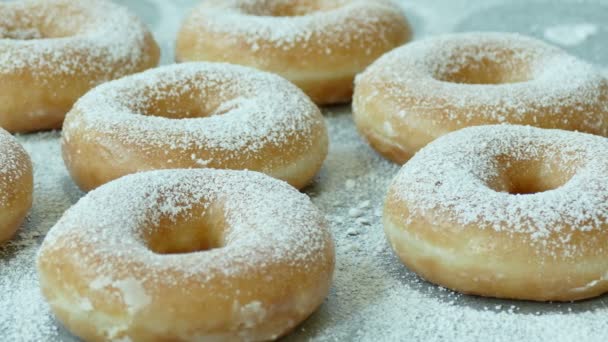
[(350, 184)]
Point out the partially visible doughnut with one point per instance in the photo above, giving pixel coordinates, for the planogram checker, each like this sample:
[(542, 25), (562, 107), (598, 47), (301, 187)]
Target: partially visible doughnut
[(505, 211), (428, 88), (320, 45), (187, 255), (195, 115), (16, 185), (54, 51)]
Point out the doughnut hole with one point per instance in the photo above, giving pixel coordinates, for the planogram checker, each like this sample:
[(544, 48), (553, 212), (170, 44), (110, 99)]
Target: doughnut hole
[(471, 65), (185, 101), (291, 8), (199, 230), (527, 177)]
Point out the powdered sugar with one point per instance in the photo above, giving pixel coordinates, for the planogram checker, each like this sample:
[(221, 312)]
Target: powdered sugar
[(133, 293), (451, 175), (85, 35)]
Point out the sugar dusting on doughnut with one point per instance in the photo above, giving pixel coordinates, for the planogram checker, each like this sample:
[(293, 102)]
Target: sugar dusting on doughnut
[(318, 45), (196, 115), (52, 52), (450, 176), (559, 78), (273, 234), (109, 34), (114, 228), (255, 20), (11, 161), (16, 185), (268, 108)]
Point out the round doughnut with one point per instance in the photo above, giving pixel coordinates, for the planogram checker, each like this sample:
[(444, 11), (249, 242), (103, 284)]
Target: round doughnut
[(54, 51), (428, 88), (320, 45), (505, 211), (16, 185), (187, 255), (195, 115)]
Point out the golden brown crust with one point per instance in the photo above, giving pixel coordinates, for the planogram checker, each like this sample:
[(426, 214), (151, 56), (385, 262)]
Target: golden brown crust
[(94, 159), (448, 255), (288, 300)]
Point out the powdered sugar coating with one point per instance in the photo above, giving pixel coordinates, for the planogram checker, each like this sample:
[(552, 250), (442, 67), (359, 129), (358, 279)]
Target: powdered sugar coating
[(11, 153), (450, 177), (329, 24), (267, 221), (255, 109), (12, 164), (86, 35), (412, 76)]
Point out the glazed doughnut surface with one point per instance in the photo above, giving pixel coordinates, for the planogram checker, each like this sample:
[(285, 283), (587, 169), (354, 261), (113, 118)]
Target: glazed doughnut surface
[(53, 51), (428, 88), (16, 185), (195, 115), (505, 211), (317, 44), (184, 255)]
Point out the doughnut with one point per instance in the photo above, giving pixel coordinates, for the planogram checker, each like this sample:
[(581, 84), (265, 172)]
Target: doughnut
[(54, 51), (16, 185), (505, 211), (195, 115), (428, 88), (320, 45), (187, 255)]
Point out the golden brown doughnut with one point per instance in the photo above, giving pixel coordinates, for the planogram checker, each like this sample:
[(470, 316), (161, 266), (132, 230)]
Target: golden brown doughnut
[(16, 185), (53, 51), (320, 45), (505, 211), (187, 255), (195, 115), (428, 88)]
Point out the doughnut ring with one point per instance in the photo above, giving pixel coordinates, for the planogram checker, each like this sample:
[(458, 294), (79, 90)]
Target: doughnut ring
[(505, 211), (54, 51), (319, 45), (195, 115), (428, 88), (16, 185), (187, 255)]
